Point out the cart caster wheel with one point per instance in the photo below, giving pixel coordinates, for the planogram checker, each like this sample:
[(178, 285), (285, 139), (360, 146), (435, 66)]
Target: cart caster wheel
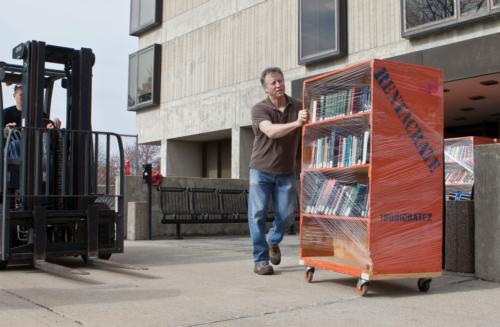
[(104, 256), (308, 276), (85, 258), (3, 265), (424, 284), (362, 287)]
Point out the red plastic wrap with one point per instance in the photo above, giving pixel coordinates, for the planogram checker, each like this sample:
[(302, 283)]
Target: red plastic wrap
[(372, 171)]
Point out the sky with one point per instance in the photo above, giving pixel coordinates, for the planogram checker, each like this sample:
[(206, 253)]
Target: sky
[(102, 25)]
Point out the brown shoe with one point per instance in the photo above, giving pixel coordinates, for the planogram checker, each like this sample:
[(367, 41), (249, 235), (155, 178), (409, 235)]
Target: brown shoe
[(263, 269), (275, 254)]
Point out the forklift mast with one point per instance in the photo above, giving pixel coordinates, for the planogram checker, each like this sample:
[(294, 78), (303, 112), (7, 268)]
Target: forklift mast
[(54, 202)]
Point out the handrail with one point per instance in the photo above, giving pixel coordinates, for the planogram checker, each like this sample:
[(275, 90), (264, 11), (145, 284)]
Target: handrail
[(113, 141), (4, 194)]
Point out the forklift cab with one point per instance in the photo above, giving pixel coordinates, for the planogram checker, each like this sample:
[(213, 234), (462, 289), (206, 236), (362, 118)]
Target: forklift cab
[(58, 196)]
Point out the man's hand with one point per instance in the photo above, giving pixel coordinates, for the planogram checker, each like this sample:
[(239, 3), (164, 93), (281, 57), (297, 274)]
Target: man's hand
[(274, 131), (56, 123), (303, 117), (7, 127)]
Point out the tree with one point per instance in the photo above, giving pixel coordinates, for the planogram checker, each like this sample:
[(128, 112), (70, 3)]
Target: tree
[(136, 154), (142, 154)]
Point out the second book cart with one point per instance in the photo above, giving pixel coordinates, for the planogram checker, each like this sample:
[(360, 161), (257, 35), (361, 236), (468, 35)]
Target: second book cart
[(459, 166)]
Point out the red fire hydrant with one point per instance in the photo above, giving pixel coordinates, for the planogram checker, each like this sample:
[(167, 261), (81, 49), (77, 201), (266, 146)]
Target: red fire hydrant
[(127, 167)]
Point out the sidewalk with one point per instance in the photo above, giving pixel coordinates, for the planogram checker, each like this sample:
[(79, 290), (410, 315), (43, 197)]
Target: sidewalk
[(210, 282)]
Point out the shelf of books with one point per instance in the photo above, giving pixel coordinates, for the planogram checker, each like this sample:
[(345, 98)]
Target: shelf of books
[(459, 166), (372, 172)]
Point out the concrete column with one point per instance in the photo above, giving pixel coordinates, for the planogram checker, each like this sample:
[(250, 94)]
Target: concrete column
[(137, 224), (487, 211), (184, 158), (245, 145), (235, 152), (163, 157)]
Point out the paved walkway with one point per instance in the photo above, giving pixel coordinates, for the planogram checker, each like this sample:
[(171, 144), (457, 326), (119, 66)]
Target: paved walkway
[(209, 282)]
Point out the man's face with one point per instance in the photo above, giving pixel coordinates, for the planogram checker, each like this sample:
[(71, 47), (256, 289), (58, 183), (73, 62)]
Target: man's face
[(18, 96), (274, 85)]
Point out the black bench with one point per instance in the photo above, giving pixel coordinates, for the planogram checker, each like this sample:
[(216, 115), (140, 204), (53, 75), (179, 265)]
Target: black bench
[(205, 206), (234, 204), (174, 203)]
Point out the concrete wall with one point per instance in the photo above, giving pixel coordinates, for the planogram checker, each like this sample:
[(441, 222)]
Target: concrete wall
[(135, 190), (183, 158), (487, 211), (214, 50)]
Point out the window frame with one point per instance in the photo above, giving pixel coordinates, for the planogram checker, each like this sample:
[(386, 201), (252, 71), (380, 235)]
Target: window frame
[(340, 33), (141, 28), (444, 24), (156, 88)]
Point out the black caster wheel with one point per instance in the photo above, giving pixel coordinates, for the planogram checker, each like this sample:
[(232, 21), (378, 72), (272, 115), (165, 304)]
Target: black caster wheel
[(104, 256), (362, 287), (3, 265), (424, 284), (308, 276)]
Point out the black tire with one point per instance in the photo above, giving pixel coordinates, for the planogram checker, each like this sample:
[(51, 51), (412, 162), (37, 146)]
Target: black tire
[(362, 287), (85, 258), (424, 284), (3, 264), (101, 205), (308, 276), (104, 256)]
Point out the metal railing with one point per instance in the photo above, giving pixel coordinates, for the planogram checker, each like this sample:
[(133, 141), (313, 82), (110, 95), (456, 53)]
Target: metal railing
[(56, 174)]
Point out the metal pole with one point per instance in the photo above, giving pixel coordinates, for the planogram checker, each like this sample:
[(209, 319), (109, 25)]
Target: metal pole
[(150, 214), (137, 155), (146, 175)]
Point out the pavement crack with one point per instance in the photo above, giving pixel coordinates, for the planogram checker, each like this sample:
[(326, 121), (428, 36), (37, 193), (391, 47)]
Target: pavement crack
[(44, 307), (268, 313)]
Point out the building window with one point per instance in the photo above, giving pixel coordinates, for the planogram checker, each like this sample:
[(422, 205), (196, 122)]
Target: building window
[(217, 159), (322, 30), (144, 78), (425, 16), (473, 7), (424, 12), (144, 15)]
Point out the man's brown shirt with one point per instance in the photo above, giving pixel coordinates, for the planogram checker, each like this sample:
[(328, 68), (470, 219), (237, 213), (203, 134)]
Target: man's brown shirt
[(275, 156)]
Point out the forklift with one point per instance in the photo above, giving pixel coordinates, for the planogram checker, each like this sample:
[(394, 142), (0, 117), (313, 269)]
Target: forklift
[(57, 196)]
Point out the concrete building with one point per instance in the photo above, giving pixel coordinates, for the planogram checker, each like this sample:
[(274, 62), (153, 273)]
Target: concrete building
[(196, 73)]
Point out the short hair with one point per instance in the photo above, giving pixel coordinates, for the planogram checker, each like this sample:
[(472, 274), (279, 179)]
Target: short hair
[(268, 71), (18, 87)]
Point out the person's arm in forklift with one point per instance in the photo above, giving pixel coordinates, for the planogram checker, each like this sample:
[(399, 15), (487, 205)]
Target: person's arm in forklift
[(7, 127), (55, 123)]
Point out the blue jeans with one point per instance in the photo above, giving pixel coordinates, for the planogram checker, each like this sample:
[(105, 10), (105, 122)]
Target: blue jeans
[(14, 149), (282, 189)]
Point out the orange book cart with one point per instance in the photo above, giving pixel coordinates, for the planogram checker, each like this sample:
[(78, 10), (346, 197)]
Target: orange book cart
[(372, 173)]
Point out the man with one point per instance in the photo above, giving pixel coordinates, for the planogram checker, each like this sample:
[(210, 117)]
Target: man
[(12, 115), (276, 122)]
